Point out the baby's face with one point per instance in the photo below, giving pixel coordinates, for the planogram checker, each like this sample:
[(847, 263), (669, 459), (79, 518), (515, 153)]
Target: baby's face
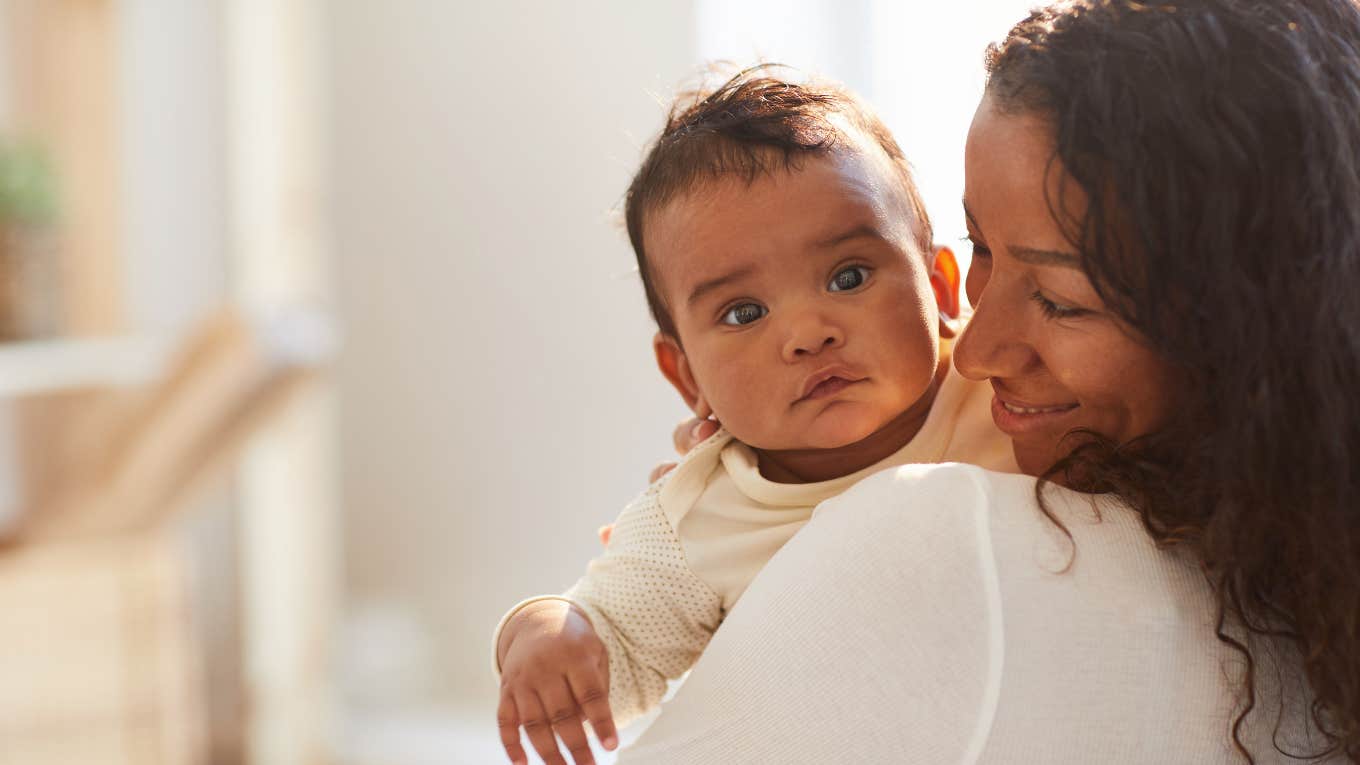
[(804, 306)]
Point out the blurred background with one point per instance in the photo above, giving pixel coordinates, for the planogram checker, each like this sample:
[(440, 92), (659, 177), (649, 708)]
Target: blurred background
[(321, 344)]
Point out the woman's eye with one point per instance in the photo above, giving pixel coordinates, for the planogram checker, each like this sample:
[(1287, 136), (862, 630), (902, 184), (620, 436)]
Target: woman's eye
[(848, 279), (1055, 310), (745, 313), (979, 249)]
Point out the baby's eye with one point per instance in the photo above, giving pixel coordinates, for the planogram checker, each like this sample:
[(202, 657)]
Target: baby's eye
[(848, 278), (745, 313)]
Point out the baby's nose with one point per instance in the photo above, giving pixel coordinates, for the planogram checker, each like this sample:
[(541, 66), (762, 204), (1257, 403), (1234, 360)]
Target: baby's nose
[(811, 339)]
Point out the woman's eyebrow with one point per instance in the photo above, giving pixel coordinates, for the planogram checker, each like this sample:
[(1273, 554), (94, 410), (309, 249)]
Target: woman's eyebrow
[(1039, 257), (969, 215), (1032, 255)]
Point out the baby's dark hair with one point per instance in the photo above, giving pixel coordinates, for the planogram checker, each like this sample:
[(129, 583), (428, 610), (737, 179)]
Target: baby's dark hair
[(753, 124)]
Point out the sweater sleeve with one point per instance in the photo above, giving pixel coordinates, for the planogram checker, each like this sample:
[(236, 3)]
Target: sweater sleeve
[(654, 615)]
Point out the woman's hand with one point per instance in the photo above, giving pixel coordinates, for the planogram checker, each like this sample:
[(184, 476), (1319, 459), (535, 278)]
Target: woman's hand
[(554, 675)]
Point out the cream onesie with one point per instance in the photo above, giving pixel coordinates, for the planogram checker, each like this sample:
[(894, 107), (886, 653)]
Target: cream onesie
[(683, 552)]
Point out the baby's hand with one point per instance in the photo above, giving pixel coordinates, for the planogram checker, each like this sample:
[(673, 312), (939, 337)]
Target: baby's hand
[(554, 672), (686, 436), (695, 430)]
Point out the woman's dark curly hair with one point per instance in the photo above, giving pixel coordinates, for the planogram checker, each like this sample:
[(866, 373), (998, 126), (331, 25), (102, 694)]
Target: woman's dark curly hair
[(1220, 143)]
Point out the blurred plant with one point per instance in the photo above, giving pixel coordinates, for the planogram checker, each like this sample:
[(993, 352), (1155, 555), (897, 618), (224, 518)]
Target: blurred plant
[(30, 274), (28, 188)]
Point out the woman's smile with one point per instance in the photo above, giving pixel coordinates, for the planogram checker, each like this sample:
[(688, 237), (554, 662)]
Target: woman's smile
[(1017, 418)]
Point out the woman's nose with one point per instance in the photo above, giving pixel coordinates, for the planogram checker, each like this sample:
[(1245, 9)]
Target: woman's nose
[(809, 336), (994, 342)]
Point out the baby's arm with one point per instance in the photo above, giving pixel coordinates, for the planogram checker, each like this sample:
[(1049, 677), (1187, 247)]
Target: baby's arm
[(555, 671), (640, 601)]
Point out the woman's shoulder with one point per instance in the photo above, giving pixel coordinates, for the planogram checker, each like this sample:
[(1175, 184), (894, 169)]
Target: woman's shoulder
[(926, 493), (1096, 541), (923, 494), (936, 477)]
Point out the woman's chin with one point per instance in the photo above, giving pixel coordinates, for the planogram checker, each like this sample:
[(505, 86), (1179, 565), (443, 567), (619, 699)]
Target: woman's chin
[(1036, 459)]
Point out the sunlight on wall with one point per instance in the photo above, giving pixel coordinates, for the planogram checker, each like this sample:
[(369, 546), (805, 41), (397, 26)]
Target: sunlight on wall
[(919, 64)]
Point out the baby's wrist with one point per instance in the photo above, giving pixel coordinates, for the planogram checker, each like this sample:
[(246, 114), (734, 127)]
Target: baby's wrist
[(525, 616)]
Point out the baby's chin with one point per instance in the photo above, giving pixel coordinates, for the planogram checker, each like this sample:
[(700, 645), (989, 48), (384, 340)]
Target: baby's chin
[(825, 433)]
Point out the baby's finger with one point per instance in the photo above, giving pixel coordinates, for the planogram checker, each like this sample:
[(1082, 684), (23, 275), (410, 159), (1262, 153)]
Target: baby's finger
[(660, 470), (538, 727), (591, 689), (691, 433), (565, 716), (507, 720)]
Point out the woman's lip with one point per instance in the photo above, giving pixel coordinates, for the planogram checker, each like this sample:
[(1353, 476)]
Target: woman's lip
[(1016, 418)]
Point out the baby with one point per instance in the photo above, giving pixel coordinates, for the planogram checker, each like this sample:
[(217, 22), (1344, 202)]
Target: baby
[(787, 260)]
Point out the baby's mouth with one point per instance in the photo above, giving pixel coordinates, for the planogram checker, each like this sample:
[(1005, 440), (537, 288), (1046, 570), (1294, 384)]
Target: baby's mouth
[(828, 387), (828, 382)]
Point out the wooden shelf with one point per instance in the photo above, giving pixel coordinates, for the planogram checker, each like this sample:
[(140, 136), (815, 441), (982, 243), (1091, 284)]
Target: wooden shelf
[(51, 366)]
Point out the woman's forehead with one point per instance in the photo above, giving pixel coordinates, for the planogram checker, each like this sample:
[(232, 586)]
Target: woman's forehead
[(1014, 180)]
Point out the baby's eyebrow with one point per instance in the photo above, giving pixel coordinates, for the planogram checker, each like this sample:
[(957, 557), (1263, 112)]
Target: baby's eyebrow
[(707, 286), (862, 230)]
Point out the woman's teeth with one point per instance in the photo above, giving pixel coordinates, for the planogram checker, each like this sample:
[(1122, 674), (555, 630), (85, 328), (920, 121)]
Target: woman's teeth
[(1033, 410)]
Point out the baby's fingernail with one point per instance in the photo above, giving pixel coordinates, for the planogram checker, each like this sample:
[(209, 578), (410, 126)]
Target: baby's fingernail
[(610, 742), (698, 426)]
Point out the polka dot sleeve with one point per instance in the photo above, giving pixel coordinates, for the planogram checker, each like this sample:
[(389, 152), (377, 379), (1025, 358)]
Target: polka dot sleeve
[(653, 613)]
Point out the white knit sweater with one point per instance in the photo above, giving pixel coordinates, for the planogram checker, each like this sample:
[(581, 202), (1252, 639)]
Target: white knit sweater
[(929, 615)]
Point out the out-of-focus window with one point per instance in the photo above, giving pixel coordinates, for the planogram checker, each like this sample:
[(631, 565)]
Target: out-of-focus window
[(920, 64)]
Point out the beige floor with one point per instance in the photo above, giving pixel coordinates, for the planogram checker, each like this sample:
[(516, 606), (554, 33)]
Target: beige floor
[(436, 736)]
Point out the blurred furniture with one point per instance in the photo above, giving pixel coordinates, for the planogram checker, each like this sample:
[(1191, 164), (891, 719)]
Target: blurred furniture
[(98, 653), (102, 449), (100, 647)]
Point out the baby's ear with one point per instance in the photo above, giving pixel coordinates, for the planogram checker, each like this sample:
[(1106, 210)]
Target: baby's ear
[(944, 279), (674, 365)]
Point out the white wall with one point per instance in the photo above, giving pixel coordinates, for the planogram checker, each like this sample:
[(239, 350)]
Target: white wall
[(826, 37), (174, 161), (499, 398), (927, 79)]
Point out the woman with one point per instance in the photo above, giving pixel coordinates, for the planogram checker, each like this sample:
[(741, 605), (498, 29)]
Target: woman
[(1164, 204)]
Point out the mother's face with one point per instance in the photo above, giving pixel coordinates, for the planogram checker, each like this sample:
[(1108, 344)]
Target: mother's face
[(1056, 358)]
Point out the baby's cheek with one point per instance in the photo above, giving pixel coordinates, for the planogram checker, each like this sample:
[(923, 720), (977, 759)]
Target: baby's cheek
[(743, 404)]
